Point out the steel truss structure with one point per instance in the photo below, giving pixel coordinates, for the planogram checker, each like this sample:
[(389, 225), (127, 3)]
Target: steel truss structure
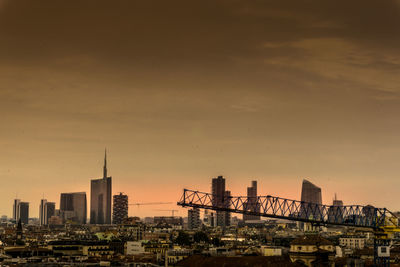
[(383, 222), (282, 208)]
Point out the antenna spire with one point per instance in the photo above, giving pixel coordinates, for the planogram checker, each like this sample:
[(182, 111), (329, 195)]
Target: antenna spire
[(105, 164)]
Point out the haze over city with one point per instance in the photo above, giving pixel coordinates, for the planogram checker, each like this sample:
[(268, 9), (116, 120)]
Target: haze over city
[(183, 91)]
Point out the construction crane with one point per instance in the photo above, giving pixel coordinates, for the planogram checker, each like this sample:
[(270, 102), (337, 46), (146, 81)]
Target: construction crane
[(381, 221), (172, 211)]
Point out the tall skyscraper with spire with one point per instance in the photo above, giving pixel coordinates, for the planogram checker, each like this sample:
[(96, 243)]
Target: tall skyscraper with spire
[(100, 198)]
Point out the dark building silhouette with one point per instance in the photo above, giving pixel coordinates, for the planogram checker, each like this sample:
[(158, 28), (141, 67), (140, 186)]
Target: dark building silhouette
[(252, 202), (120, 208), (335, 212), (73, 207), (100, 198), (220, 198), (23, 208), (311, 194), (16, 210), (49, 211), (42, 211)]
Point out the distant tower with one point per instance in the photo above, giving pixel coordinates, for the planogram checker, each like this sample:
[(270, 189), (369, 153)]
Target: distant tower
[(23, 208), (194, 219), (120, 208), (311, 194), (100, 198), (16, 210), (73, 207), (49, 211), (42, 211), (220, 198), (335, 212), (252, 202)]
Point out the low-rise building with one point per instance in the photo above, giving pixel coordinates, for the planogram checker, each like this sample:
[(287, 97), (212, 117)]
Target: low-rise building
[(134, 248), (353, 242), (312, 250)]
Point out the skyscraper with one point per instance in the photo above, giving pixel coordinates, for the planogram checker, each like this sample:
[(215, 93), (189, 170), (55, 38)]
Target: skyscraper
[(46, 210), (336, 211), (100, 198), (220, 198), (120, 208), (16, 210), (23, 208), (73, 207), (252, 202), (311, 194), (42, 211), (49, 211)]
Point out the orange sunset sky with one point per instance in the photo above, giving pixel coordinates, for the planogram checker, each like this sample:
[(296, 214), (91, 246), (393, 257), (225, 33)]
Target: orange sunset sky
[(183, 91)]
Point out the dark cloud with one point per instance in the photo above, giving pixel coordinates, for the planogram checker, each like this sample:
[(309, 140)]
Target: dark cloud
[(179, 88), (181, 33)]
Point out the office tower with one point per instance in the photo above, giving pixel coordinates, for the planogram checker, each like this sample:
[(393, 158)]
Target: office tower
[(335, 212), (23, 209), (42, 208), (226, 219), (194, 219), (311, 194), (16, 210), (220, 199), (73, 207), (252, 202), (120, 208), (100, 198), (49, 211)]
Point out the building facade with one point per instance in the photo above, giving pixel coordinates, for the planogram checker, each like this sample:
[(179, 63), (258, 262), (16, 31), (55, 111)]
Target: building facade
[(23, 208), (311, 195), (49, 211), (252, 202), (120, 208), (100, 198), (353, 242), (42, 208), (312, 250), (194, 219), (16, 210), (336, 211), (220, 198), (73, 207)]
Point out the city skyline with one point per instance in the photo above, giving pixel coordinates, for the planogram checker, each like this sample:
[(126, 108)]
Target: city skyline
[(268, 91), (182, 211), (251, 191)]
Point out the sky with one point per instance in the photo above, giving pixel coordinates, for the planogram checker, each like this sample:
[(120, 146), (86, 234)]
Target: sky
[(183, 91)]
